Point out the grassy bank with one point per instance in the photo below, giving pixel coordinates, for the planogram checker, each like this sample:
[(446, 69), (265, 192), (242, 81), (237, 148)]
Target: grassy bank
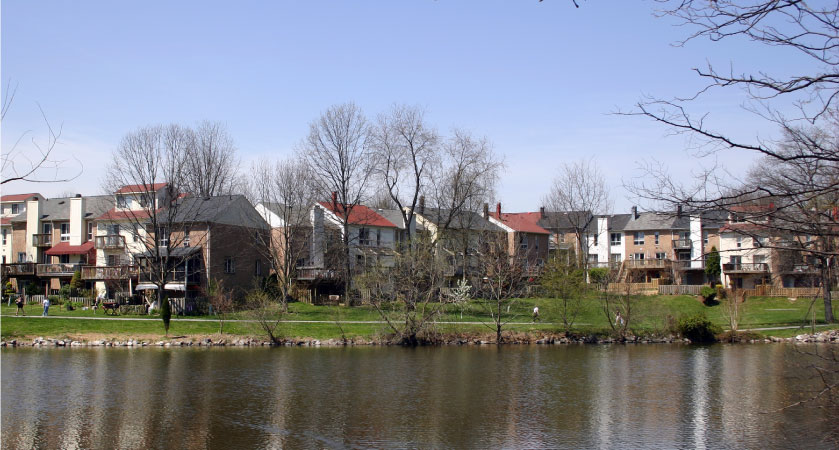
[(650, 315)]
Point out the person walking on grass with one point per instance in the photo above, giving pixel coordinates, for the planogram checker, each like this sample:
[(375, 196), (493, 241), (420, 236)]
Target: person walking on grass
[(20, 302), (46, 306), (535, 314)]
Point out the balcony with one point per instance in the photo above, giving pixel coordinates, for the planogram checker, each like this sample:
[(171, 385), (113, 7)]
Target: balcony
[(109, 272), (315, 273), (42, 240), (108, 242), (682, 244), (647, 263), (745, 267), (57, 270), (800, 268), (689, 265), (177, 276), (18, 269)]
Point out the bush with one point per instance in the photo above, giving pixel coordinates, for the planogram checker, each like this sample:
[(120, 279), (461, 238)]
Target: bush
[(55, 300), (598, 275), (698, 329), (708, 293)]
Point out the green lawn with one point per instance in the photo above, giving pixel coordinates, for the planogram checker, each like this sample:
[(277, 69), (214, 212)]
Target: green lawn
[(649, 315)]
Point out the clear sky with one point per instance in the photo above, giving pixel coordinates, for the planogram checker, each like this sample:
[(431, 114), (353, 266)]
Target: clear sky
[(539, 79)]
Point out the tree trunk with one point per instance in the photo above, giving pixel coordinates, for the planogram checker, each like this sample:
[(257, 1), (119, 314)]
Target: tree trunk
[(347, 262), (828, 304)]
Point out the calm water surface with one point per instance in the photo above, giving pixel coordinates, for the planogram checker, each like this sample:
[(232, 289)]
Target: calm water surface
[(644, 396)]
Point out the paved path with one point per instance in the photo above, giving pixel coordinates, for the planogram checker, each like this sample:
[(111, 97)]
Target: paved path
[(174, 319)]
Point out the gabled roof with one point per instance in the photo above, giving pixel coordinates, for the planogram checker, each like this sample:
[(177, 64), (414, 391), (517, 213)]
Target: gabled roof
[(58, 209), (299, 214), (394, 216), (527, 222), (359, 215), (463, 220), (131, 188), (19, 197), (221, 209), (563, 220), (113, 214), (658, 221)]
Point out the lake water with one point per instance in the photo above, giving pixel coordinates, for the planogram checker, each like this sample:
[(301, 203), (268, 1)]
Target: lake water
[(579, 396)]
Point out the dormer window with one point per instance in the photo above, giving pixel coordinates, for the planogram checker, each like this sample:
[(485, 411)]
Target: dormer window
[(121, 202)]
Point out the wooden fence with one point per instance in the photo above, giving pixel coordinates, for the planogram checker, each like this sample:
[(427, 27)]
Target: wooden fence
[(634, 288), (680, 289), (771, 291)]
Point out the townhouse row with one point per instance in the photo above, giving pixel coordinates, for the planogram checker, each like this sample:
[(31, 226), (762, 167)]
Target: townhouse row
[(109, 240)]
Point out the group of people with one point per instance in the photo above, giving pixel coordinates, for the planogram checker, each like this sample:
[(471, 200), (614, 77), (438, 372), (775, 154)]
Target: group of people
[(21, 301)]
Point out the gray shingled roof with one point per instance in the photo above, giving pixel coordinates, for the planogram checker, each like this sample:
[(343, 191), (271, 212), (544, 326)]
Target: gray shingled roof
[(564, 220), (299, 214), (223, 209), (657, 221), (58, 209), (461, 220), (393, 215)]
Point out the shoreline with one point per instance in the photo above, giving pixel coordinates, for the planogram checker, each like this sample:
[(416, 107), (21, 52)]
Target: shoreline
[(826, 337)]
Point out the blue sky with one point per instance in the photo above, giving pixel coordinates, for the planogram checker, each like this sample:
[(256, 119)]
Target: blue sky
[(540, 80)]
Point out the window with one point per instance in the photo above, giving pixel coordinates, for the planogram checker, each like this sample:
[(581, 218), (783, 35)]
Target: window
[(615, 257), (47, 228), (735, 260), (65, 232), (523, 242), (229, 265), (5, 238), (121, 203), (660, 255), (595, 240), (162, 237), (257, 270), (364, 236), (144, 200), (113, 260), (656, 238), (113, 230), (15, 208), (135, 234), (64, 259), (21, 257), (759, 259), (739, 241), (638, 238), (186, 237), (637, 256), (90, 231), (705, 237), (615, 238)]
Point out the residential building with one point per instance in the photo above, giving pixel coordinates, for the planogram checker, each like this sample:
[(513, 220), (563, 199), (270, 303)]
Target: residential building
[(525, 238)]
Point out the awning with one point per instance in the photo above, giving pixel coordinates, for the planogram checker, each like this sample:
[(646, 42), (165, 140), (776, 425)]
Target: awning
[(64, 248), (145, 286), (174, 287)]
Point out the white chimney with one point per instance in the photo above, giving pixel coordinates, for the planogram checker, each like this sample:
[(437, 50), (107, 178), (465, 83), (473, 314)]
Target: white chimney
[(316, 256), (77, 231), (33, 225)]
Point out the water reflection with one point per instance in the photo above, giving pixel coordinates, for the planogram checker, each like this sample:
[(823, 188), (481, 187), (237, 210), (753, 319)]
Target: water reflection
[(528, 397)]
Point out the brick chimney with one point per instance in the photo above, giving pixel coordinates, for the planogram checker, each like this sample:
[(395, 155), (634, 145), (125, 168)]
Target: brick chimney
[(634, 212), (486, 211), (498, 210), (334, 201), (541, 212), (422, 204), (679, 211)]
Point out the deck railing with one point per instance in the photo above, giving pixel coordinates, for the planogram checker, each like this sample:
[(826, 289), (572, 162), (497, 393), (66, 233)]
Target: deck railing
[(61, 269), (682, 244), (745, 267), (42, 240), (122, 272), (18, 269), (647, 263), (111, 241)]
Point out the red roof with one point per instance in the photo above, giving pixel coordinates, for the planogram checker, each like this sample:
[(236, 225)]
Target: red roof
[(17, 197), (113, 214), (64, 248), (522, 222), (140, 188), (742, 226), (360, 215)]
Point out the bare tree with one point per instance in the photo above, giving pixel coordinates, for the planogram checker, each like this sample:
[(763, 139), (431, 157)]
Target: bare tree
[(284, 189), (566, 283), (465, 176), (149, 165), (40, 163), (405, 149), (211, 165), (407, 293), (338, 157), (221, 299), (503, 283), (579, 189)]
